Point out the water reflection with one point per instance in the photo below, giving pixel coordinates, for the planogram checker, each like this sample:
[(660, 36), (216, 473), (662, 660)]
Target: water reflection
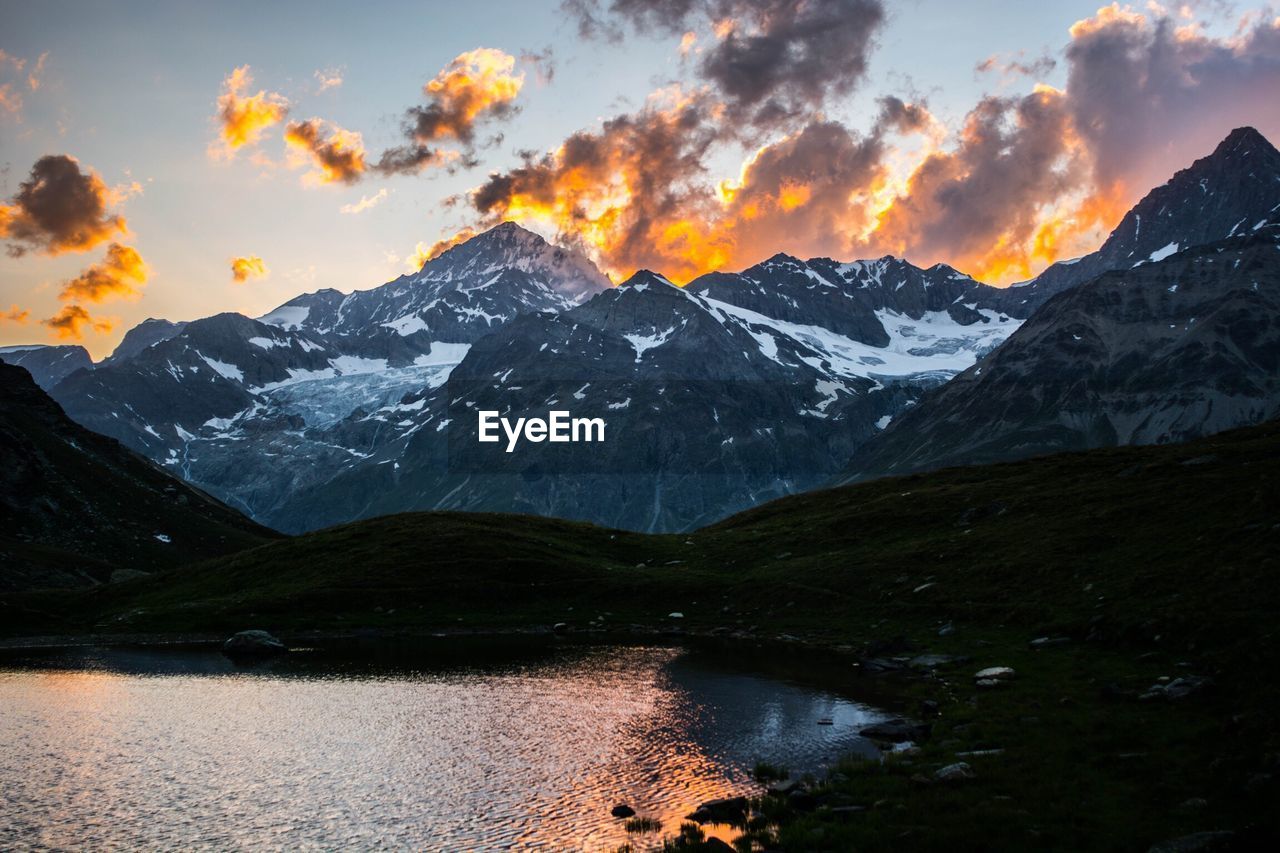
[(456, 745)]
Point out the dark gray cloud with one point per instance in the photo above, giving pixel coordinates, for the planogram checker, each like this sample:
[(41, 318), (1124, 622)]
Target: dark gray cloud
[(1145, 97), (989, 188), (478, 86), (57, 209), (771, 60)]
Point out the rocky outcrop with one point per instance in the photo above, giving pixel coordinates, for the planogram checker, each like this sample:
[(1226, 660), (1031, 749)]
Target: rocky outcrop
[(253, 644)]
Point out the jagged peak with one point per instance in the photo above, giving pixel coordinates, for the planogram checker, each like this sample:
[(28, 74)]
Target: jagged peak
[(1242, 139), (512, 245), (646, 277)]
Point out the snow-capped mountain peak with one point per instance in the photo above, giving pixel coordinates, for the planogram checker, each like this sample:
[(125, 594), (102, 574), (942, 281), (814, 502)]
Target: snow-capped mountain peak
[(510, 247)]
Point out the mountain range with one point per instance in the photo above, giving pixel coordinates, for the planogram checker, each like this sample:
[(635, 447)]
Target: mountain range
[(732, 390)]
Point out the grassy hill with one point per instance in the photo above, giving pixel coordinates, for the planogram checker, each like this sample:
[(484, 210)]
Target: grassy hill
[(1178, 541)]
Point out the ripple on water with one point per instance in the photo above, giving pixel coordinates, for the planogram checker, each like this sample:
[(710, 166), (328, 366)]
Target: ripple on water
[(119, 749)]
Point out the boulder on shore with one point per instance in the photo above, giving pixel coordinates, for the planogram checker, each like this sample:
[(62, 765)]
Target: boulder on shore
[(958, 772), (896, 731), (253, 644), (731, 810)]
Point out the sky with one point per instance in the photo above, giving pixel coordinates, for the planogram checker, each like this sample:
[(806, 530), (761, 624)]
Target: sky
[(177, 160)]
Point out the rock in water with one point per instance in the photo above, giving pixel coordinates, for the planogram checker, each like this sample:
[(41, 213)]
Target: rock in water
[(731, 810), (250, 644), (623, 811)]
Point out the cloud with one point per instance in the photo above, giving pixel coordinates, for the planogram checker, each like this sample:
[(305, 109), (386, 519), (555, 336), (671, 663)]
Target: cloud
[(328, 78), (625, 189), (977, 203), (10, 99), (71, 321), (811, 192), (337, 157), (16, 315), (245, 268), (58, 209), (36, 75), (770, 60), (1147, 94), (423, 252), (242, 117), (1025, 180), (119, 274), (1017, 66), (365, 202), (543, 63), (476, 86)]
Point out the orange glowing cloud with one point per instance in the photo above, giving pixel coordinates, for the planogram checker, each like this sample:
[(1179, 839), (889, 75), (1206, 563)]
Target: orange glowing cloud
[(423, 252), (10, 99), (71, 322), (16, 315), (245, 268), (477, 85), (243, 117), (338, 157), (59, 209), (474, 83), (119, 274)]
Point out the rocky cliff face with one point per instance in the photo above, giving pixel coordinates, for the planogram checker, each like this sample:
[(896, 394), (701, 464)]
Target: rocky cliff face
[(710, 405), (48, 365), (1233, 191), (1162, 352)]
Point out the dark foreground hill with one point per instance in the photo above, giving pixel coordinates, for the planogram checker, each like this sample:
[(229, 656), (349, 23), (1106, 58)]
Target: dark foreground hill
[(76, 507), (1159, 540)]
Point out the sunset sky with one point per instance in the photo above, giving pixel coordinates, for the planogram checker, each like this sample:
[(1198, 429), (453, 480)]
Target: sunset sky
[(178, 159)]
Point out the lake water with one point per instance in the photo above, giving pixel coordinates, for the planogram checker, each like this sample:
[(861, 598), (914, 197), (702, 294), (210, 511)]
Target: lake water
[(448, 745)]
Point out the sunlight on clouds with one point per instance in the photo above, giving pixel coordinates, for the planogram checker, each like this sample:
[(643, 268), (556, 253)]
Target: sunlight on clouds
[(338, 157), (59, 208), (119, 274), (243, 118), (71, 322), (365, 202), (247, 267)]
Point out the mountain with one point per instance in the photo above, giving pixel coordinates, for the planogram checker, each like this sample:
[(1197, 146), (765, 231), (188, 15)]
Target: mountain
[(1163, 352), (717, 396), (76, 507), (735, 389), (1233, 191), (148, 332), (222, 399), (48, 365), (860, 300), (457, 296)]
